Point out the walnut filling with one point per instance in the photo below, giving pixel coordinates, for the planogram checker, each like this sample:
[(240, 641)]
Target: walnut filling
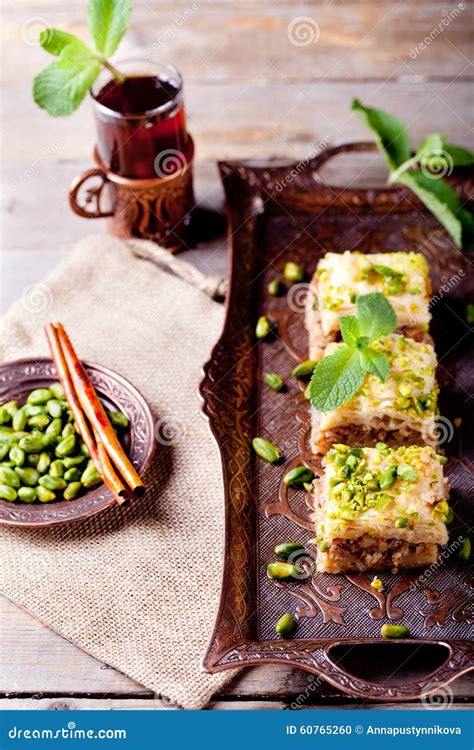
[(365, 435), (369, 553)]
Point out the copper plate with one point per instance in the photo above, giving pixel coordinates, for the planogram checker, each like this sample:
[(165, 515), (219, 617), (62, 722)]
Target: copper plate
[(274, 218), (18, 378)]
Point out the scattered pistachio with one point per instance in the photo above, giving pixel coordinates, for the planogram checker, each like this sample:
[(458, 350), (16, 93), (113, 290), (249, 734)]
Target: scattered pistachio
[(394, 631), (286, 549), (449, 517), (285, 625), (273, 381), (275, 288), (263, 327), (266, 450), (293, 271), (298, 476), (465, 549), (304, 369), (282, 571)]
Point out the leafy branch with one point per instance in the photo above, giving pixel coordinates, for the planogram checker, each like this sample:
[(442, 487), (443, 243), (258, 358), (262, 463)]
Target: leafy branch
[(423, 171), (63, 84)]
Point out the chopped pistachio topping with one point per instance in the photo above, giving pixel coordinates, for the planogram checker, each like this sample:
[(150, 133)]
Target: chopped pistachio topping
[(342, 278), (355, 487)]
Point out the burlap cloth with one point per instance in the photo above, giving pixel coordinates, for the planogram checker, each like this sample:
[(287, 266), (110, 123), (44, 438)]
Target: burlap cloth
[(137, 587)]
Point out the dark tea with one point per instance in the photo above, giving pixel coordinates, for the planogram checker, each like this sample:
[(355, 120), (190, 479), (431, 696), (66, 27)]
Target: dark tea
[(141, 124)]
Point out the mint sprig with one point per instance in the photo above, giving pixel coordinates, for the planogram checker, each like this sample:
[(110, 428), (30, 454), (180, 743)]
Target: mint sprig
[(435, 157), (339, 376), (62, 85)]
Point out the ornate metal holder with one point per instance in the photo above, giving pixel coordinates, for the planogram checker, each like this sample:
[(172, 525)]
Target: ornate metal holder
[(157, 209)]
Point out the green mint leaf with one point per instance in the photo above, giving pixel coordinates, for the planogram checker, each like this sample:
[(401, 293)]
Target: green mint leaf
[(62, 85), (433, 143), (460, 157), (375, 362), (108, 22), (376, 316), (444, 203), (350, 329), (390, 134), (78, 54), (54, 40), (336, 378)]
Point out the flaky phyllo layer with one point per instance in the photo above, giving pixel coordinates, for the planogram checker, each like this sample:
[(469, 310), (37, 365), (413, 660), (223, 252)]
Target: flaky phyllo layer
[(340, 278), (405, 404), (380, 507)]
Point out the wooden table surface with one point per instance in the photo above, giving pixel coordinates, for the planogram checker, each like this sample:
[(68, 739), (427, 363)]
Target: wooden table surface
[(262, 78)]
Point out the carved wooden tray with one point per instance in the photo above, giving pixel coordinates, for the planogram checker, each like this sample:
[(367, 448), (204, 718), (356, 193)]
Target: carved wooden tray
[(275, 215)]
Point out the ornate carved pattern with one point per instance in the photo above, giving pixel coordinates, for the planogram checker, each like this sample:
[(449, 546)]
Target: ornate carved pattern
[(317, 600), (308, 219), (18, 378), (156, 209), (456, 602)]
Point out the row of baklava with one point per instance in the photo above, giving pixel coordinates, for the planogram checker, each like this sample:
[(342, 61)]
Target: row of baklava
[(381, 502)]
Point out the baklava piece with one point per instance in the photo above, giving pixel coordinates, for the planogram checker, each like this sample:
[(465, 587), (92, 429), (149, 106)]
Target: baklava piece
[(399, 411), (380, 508), (342, 277)]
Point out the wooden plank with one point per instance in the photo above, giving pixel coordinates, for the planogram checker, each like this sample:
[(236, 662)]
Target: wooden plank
[(49, 224), (267, 40), (37, 661), (48, 228), (67, 703), (245, 120)]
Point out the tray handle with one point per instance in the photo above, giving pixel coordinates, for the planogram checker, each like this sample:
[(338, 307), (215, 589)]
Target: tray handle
[(343, 148), (459, 659)]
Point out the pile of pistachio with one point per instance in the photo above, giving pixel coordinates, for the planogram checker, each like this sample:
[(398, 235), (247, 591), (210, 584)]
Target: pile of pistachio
[(42, 455)]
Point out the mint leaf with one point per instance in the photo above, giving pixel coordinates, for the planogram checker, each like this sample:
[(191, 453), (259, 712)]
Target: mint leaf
[(460, 157), (444, 203), (350, 329), (392, 140), (375, 362), (54, 40), (376, 316), (432, 143), (62, 85), (77, 54), (108, 22), (336, 378), (390, 134)]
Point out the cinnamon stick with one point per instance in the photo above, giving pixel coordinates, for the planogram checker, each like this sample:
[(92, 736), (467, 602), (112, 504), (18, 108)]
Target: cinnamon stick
[(96, 414), (107, 473)]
